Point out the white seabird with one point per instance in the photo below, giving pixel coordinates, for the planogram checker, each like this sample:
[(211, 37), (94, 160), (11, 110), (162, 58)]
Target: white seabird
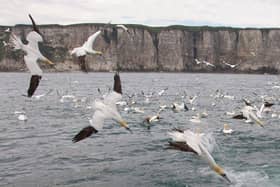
[(85, 49), (32, 55), (248, 114), (104, 109), (227, 129), (197, 61), (196, 143), (179, 107), (208, 63), (230, 65), (161, 92), (123, 27)]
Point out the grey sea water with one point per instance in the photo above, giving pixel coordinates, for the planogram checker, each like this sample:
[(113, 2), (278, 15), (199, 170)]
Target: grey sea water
[(39, 152)]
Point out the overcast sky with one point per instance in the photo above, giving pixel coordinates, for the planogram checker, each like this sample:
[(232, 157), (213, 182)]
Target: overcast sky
[(237, 13)]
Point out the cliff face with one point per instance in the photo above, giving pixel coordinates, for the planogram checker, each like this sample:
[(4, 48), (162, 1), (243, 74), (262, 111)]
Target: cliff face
[(172, 48)]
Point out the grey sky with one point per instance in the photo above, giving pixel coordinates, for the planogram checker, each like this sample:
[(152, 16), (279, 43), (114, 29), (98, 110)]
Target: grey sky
[(240, 13)]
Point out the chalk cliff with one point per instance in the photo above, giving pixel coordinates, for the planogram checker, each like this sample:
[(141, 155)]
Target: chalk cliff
[(173, 48)]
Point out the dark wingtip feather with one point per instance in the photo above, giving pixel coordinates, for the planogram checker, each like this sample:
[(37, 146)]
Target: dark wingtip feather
[(239, 116), (84, 133), (35, 28), (34, 83), (117, 83)]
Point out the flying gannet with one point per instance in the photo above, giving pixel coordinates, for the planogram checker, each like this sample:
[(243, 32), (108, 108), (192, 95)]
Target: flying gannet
[(123, 27), (32, 55), (248, 114), (230, 65), (104, 109), (196, 143), (85, 49), (208, 63)]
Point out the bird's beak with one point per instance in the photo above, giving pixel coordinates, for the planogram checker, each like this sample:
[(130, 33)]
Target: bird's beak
[(48, 61), (99, 53), (259, 122), (225, 177), (124, 124)]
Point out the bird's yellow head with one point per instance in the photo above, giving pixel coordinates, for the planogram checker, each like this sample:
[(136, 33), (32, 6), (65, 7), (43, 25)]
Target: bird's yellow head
[(98, 53), (259, 122), (226, 127), (221, 172), (48, 61), (124, 124)]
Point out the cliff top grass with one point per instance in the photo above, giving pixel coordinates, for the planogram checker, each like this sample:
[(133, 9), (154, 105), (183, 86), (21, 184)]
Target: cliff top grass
[(153, 29)]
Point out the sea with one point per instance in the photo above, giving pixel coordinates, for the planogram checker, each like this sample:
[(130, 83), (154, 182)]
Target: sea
[(39, 151)]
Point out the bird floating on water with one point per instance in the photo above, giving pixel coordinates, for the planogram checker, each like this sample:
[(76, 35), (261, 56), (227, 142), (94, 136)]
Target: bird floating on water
[(179, 107), (227, 129), (32, 55), (86, 48), (104, 109), (196, 143)]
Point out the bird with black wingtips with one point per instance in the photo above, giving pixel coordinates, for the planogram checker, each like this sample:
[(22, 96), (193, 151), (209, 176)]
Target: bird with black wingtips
[(104, 109), (32, 55), (86, 48), (197, 143)]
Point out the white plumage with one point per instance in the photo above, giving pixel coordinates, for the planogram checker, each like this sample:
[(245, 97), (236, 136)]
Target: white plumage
[(123, 27), (31, 57), (199, 143), (87, 47), (249, 114)]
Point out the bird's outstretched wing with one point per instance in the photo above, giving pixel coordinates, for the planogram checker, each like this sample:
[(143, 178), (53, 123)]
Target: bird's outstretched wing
[(117, 83), (88, 44), (34, 83), (16, 41), (193, 140), (84, 133), (96, 124), (35, 27), (239, 116)]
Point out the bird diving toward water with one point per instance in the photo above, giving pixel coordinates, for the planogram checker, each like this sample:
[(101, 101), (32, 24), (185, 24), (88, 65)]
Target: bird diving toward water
[(197, 143), (86, 48), (247, 113), (104, 109), (32, 55)]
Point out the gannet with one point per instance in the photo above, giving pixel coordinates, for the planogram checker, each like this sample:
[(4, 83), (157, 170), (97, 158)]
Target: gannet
[(208, 63), (8, 30), (196, 143), (32, 55), (22, 115), (197, 61), (179, 107), (227, 129), (230, 65), (161, 92), (123, 27), (85, 49), (248, 114), (104, 109)]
